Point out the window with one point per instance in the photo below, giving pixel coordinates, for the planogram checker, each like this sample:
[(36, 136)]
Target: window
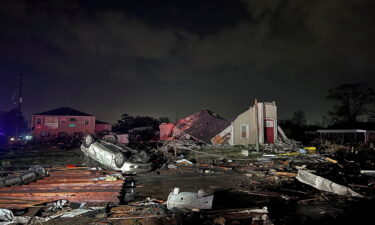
[(44, 134), (87, 121), (72, 122), (63, 121), (52, 122), (244, 131), (38, 120)]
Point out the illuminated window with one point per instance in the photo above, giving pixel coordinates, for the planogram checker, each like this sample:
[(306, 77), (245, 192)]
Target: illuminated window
[(244, 131), (52, 122)]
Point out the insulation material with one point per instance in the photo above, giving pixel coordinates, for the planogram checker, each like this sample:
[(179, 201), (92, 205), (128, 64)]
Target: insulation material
[(324, 184)]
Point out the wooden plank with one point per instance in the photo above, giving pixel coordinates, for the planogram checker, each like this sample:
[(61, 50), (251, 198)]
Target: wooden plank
[(32, 211), (286, 174), (57, 193), (78, 182), (19, 206), (73, 198), (56, 179), (72, 187), (17, 200)]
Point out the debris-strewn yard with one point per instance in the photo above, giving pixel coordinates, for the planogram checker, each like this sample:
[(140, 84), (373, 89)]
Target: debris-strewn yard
[(248, 187)]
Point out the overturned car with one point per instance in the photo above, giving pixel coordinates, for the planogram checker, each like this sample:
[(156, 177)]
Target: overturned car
[(114, 156)]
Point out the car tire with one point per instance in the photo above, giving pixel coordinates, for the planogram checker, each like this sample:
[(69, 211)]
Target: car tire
[(88, 140), (120, 159), (144, 156)]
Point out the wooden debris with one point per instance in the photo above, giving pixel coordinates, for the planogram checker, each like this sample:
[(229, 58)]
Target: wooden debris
[(75, 184)]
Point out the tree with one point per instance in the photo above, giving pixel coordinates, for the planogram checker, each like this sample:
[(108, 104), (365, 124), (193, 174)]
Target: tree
[(9, 120), (353, 102), (128, 122), (299, 119), (164, 120)]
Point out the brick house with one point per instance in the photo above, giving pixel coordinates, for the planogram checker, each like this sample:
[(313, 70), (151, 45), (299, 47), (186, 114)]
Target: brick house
[(101, 126), (49, 124)]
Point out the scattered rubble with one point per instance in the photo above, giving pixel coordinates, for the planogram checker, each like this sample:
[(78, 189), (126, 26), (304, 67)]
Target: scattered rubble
[(201, 126), (282, 147), (281, 184), (189, 200), (32, 175)]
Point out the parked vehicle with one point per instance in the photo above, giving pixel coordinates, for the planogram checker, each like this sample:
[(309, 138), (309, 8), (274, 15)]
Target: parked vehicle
[(114, 156)]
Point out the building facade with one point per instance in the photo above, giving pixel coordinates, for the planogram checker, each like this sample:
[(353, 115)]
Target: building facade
[(258, 124), (101, 126), (64, 120)]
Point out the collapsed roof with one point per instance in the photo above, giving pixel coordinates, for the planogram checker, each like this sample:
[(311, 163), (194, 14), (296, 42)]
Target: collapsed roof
[(202, 126)]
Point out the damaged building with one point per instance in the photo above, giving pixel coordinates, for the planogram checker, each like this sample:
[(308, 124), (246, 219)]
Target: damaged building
[(201, 126), (258, 124)]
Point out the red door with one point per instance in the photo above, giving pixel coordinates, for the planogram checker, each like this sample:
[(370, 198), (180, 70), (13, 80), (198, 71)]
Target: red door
[(269, 131)]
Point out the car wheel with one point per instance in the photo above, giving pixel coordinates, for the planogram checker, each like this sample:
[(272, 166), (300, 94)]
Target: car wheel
[(88, 140), (120, 159), (144, 156)]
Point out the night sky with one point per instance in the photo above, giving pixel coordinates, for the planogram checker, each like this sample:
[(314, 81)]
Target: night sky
[(155, 57)]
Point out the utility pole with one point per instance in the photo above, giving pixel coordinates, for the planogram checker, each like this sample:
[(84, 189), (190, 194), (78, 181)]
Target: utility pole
[(19, 104), (257, 125)]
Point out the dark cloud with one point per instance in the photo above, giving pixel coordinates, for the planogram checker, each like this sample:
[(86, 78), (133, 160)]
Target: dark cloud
[(152, 58)]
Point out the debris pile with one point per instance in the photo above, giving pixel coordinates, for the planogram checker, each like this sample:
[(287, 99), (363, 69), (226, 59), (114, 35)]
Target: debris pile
[(73, 184), (281, 147), (201, 127), (280, 184), (328, 147)]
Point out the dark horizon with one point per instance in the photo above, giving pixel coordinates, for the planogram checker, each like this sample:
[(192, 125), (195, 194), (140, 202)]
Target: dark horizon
[(152, 58)]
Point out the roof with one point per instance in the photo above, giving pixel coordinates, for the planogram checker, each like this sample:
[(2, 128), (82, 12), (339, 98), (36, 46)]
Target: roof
[(63, 111), (100, 122), (203, 125), (345, 131)]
